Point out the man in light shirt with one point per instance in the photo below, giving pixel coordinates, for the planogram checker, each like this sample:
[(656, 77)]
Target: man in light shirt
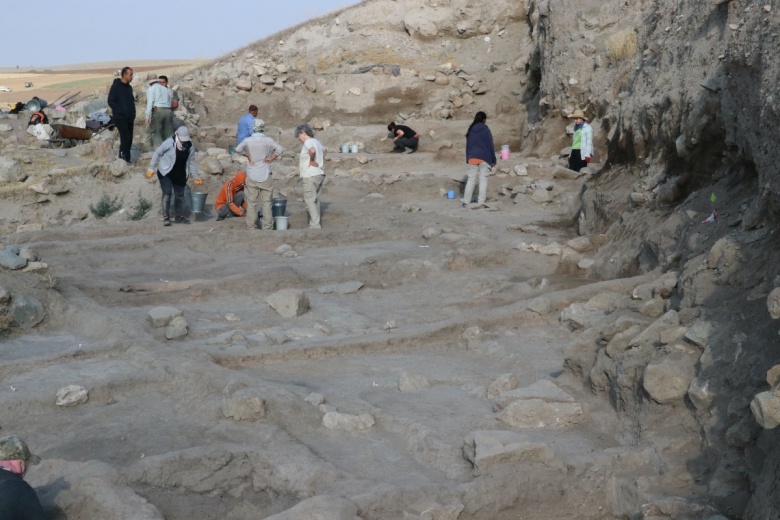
[(261, 151), (312, 171), (159, 116)]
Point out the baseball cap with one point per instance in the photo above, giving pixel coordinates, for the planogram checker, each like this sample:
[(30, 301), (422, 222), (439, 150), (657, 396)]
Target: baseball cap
[(183, 133), (14, 448)]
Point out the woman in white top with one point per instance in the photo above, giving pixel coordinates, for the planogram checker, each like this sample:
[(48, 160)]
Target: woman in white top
[(312, 172)]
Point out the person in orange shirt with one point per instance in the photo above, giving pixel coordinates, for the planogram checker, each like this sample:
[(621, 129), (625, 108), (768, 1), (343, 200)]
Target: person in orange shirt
[(230, 201)]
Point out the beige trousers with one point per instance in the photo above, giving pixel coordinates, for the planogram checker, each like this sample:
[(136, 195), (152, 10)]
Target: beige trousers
[(254, 191), (312, 186)]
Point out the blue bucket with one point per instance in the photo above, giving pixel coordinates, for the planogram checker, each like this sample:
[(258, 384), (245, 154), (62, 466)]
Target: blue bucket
[(451, 194)]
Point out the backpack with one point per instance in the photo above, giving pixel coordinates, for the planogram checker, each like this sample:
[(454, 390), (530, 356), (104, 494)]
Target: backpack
[(38, 118)]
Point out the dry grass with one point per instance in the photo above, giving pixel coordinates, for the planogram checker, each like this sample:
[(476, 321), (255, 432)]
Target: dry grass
[(622, 45)]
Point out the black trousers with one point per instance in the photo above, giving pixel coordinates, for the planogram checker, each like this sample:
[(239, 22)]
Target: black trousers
[(125, 129), (576, 162), (167, 186), (407, 142)]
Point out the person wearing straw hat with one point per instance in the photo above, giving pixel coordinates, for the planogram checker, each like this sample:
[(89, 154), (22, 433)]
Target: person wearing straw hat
[(582, 142), (159, 116), (176, 158), (18, 500)]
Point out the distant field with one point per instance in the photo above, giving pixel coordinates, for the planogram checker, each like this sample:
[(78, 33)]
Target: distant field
[(94, 78)]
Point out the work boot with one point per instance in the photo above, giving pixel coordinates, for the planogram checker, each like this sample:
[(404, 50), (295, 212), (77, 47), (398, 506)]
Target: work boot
[(166, 220)]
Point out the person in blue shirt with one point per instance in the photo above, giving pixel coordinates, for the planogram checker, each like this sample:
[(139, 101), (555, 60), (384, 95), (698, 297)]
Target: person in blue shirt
[(246, 124)]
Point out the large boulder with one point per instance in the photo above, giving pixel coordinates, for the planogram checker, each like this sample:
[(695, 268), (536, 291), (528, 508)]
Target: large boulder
[(343, 421), (10, 259), (668, 381), (289, 303), (244, 406), (177, 328), (27, 312), (486, 448), (766, 409), (162, 316), (10, 171), (72, 395), (536, 413)]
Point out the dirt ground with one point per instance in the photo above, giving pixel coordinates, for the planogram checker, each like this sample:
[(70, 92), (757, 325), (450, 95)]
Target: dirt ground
[(108, 276), (581, 347)]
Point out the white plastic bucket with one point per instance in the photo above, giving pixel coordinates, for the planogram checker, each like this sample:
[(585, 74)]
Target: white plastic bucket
[(281, 223), (355, 148), (344, 148)]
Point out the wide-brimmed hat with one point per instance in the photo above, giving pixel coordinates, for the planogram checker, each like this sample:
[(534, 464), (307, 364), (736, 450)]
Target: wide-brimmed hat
[(14, 448), (183, 133), (258, 125), (578, 114), (153, 81)]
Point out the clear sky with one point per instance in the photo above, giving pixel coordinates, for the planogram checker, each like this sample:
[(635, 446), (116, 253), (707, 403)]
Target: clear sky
[(48, 32)]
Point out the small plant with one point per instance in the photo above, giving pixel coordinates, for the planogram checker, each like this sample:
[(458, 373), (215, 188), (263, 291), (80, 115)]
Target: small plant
[(492, 67), (143, 206), (622, 44), (106, 206), (352, 62)]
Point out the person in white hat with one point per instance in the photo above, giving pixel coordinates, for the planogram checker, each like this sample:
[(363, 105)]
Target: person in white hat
[(176, 158), (261, 151), (18, 500), (159, 116), (582, 142)]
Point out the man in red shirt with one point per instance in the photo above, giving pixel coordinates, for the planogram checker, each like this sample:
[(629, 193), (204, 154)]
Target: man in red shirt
[(230, 201)]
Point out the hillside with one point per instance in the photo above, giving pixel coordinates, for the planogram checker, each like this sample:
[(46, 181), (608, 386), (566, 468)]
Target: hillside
[(590, 346)]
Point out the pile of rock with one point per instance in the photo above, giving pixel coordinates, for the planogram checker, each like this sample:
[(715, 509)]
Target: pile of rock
[(171, 318)]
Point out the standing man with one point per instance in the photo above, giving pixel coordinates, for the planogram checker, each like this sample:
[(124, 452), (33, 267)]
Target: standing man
[(159, 116), (122, 103), (582, 142), (404, 138), (18, 500), (312, 169), (261, 151), (246, 124)]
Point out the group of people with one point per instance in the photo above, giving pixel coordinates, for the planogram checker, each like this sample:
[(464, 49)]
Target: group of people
[(481, 154), (174, 158), (239, 196)]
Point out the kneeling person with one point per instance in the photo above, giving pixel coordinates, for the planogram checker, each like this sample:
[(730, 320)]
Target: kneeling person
[(230, 201)]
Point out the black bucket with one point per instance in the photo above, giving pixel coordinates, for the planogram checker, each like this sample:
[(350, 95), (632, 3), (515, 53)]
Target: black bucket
[(278, 207)]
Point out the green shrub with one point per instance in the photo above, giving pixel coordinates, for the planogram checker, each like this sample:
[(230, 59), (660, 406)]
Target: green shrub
[(140, 209), (106, 206)]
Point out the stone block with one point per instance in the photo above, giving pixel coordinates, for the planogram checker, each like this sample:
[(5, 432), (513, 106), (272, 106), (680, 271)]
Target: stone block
[(162, 316), (289, 303)]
